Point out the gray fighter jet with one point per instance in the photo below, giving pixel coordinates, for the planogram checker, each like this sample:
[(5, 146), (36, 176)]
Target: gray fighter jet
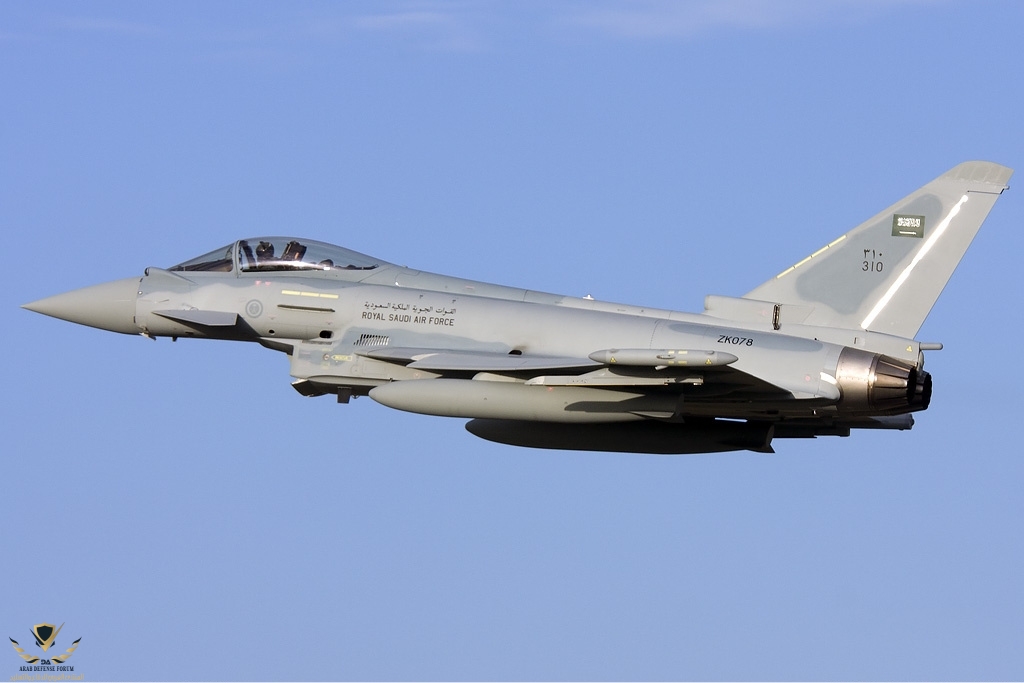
[(824, 347)]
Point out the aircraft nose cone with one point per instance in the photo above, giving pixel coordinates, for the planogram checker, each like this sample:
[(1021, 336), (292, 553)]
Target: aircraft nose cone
[(109, 306)]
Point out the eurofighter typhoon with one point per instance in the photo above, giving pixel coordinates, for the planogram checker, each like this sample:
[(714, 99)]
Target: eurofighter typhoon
[(823, 348)]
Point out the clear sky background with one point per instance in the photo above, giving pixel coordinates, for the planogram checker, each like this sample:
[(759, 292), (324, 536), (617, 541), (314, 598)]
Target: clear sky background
[(190, 516)]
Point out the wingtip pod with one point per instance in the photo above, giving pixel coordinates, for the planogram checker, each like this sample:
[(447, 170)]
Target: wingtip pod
[(869, 277)]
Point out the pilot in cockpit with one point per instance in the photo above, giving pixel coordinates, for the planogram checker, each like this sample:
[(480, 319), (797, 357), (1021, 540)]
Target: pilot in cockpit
[(293, 251), (264, 252)]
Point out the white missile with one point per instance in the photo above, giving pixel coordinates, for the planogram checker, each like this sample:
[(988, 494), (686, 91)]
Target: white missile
[(663, 357)]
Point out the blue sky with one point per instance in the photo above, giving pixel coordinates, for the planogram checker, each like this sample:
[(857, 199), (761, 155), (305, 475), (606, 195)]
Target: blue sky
[(189, 516)]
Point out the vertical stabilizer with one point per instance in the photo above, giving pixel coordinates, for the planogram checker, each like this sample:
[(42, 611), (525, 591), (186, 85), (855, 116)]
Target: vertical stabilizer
[(886, 274)]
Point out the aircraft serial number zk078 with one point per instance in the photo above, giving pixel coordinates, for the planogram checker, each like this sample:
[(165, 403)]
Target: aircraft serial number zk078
[(740, 341), (823, 348)]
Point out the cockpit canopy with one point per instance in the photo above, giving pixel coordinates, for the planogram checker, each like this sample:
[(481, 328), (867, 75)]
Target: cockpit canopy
[(276, 254)]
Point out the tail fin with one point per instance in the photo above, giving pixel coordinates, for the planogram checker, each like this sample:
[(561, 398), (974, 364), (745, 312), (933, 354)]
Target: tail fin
[(886, 274)]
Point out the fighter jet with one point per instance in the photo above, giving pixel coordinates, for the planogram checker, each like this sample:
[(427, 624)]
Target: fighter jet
[(825, 347)]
